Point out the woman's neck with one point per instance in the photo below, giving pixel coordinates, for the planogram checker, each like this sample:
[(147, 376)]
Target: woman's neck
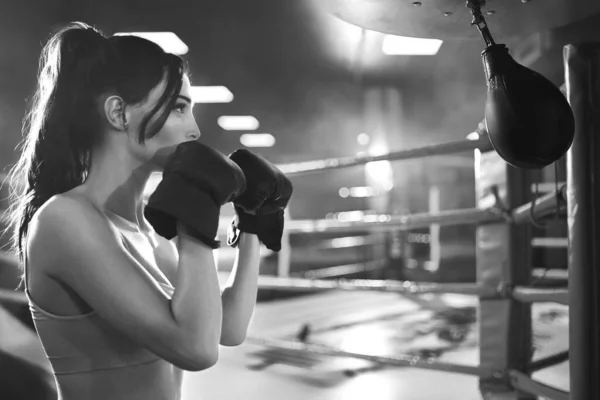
[(118, 187)]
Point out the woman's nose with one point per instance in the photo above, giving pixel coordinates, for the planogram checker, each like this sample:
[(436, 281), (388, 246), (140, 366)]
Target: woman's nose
[(194, 134)]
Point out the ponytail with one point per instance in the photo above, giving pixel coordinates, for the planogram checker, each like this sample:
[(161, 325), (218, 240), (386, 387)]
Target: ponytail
[(63, 124)]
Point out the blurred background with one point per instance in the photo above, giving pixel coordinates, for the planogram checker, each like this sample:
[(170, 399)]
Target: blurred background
[(308, 86), (293, 83)]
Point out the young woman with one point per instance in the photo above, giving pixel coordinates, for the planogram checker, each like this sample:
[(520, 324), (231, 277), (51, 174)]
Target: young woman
[(119, 308)]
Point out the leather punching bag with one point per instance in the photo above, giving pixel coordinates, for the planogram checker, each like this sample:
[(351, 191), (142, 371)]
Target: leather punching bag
[(529, 121)]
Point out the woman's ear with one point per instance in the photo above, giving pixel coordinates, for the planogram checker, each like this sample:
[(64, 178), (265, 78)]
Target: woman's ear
[(114, 110)]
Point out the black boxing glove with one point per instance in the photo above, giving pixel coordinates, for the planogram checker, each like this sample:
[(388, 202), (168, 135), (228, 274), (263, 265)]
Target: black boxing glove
[(260, 209), (268, 228), (197, 181)]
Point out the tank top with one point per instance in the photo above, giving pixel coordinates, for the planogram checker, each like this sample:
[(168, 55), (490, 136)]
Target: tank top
[(87, 344)]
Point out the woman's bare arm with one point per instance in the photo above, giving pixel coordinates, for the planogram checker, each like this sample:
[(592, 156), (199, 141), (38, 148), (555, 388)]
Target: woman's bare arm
[(76, 245), (239, 295)]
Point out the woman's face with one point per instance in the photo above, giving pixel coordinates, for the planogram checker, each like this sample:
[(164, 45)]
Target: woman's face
[(179, 127)]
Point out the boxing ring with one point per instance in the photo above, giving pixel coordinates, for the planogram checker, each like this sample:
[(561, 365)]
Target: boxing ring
[(503, 255), (498, 294)]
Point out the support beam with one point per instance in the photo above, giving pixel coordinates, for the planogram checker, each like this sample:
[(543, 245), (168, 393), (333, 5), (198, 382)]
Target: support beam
[(582, 76)]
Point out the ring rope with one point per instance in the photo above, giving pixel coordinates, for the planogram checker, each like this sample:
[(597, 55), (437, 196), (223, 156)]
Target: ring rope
[(272, 282), (482, 143)]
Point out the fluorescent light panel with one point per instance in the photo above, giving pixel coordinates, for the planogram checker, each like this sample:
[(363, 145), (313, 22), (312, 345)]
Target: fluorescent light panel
[(257, 140), (407, 46), (238, 122), (358, 191), (169, 41), (211, 94), (473, 136)]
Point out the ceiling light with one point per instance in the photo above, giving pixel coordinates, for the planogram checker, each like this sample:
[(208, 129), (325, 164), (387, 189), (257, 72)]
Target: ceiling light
[(407, 46), (238, 123), (361, 191), (211, 94), (169, 41), (363, 139), (257, 140), (473, 136)]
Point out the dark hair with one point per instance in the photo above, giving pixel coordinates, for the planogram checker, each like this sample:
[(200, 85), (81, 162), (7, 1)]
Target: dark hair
[(62, 127)]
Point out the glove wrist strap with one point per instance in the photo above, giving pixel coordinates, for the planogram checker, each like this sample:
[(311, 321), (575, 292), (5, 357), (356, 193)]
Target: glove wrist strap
[(242, 222)]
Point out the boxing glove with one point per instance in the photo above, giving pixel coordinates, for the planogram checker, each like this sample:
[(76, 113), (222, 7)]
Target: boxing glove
[(197, 181), (260, 209)]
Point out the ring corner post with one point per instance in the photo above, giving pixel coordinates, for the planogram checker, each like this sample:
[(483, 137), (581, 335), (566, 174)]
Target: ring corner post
[(503, 258), (582, 78)]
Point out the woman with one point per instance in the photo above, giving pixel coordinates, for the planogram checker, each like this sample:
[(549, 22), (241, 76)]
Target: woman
[(119, 308)]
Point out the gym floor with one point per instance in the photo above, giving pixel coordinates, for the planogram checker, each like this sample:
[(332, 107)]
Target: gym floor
[(372, 323)]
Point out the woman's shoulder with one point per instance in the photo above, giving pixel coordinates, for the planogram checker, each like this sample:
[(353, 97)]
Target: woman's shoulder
[(64, 213), (57, 224), (65, 225), (73, 203)]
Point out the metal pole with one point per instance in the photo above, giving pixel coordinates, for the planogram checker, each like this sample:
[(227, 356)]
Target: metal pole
[(582, 76)]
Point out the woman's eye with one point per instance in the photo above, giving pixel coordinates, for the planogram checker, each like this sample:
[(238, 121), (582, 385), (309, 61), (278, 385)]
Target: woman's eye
[(180, 108)]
